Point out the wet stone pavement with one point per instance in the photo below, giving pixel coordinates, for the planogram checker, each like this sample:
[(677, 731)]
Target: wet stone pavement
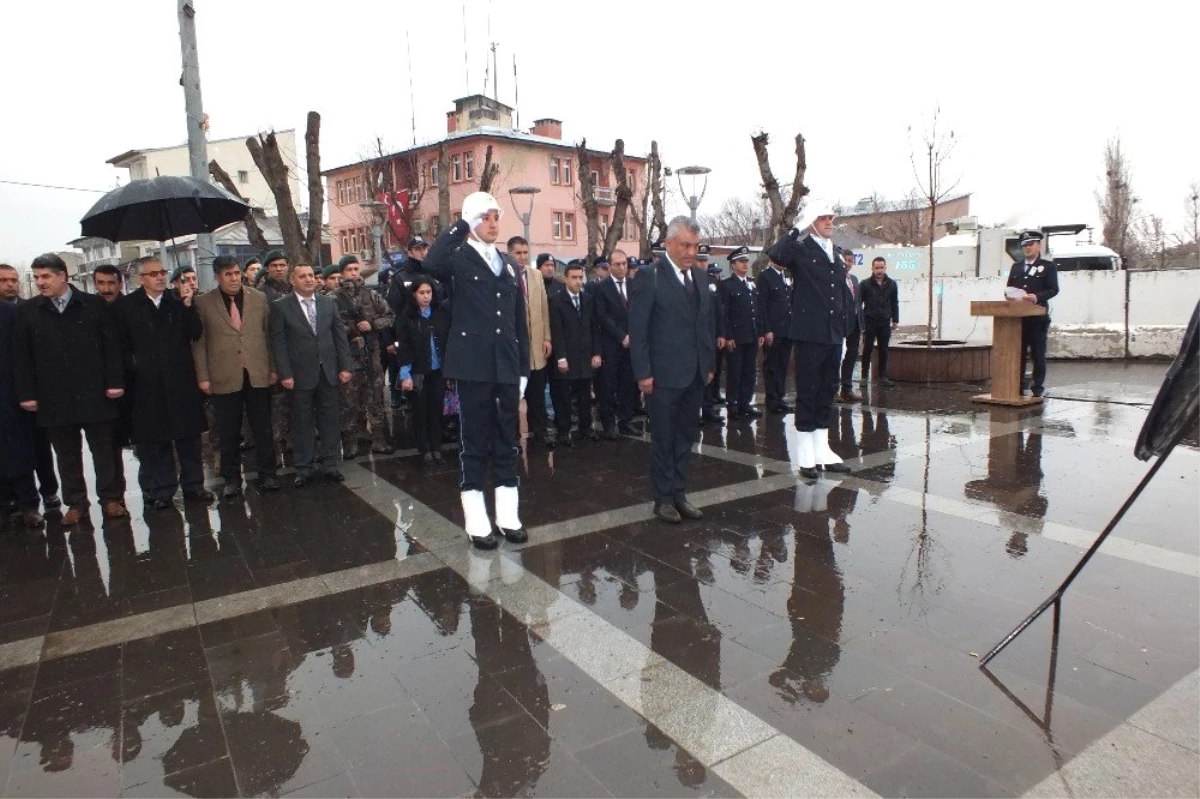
[(341, 640)]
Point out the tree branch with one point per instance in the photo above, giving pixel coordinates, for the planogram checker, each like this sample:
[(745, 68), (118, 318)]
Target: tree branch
[(254, 232)]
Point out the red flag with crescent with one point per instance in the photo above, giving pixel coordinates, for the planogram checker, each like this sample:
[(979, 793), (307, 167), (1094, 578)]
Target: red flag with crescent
[(397, 207)]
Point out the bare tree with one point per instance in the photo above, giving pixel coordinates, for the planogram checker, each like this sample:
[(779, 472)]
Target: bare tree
[(624, 197), (587, 198), (301, 247), (1149, 242), (443, 218), (1188, 241), (739, 222), (488, 176), (254, 232), (935, 149), (1116, 201), (654, 217), (783, 212)]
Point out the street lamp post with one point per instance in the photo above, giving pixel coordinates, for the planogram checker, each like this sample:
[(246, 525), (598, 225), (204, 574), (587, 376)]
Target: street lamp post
[(527, 214), (695, 173)]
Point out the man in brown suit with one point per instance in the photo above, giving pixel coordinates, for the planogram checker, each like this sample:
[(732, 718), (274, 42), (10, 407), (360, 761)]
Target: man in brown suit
[(235, 367), (537, 316)]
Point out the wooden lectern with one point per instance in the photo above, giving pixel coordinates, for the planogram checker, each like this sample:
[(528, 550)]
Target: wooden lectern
[(1006, 350)]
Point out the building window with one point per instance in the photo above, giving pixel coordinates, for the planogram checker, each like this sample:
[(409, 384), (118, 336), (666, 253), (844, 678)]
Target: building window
[(631, 178), (243, 176), (345, 243), (603, 228), (554, 171), (569, 226), (566, 174), (469, 162), (456, 169), (556, 224), (435, 174), (457, 215), (356, 190), (595, 178)]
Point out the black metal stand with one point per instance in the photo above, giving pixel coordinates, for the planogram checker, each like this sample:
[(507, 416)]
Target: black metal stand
[(1056, 597)]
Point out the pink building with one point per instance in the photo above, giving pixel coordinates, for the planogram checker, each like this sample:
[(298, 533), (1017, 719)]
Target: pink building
[(538, 158)]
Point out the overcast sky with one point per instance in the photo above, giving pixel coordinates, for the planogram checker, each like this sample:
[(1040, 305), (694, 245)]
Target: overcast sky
[(1032, 90)]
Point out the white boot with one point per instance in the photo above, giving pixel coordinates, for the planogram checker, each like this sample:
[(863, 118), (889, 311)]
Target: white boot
[(507, 517), (806, 453), (478, 526), (827, 459)]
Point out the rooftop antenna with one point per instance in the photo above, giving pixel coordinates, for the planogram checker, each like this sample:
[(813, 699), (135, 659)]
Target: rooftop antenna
[(496, 75), (411, 102), (466, 66), (516, 97)]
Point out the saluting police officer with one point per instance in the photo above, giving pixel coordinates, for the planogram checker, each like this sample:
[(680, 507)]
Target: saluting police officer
[(488, 356), (820, 304), (744, 330), (1038, 278)]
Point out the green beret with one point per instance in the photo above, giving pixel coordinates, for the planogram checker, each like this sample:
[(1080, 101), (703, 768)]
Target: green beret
[(180, 271), (330, 271), (273, 255), (260, 278), (347, 260), (251, 262)]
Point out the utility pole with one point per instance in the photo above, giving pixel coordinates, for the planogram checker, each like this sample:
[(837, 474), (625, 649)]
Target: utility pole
[(197, 144)]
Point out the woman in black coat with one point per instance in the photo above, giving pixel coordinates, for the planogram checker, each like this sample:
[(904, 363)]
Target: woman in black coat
[(422, 329)]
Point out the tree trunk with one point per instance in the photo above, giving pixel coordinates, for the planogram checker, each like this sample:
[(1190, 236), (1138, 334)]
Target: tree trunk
[(656, 221), (490, 171), (316, 189), (587, 195), (443, 188), (933, 200), (624, 197), (254, 233), (265, 152), (783, 214)]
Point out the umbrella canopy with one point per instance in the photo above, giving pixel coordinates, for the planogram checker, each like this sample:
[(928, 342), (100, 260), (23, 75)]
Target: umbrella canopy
[(161, 208)]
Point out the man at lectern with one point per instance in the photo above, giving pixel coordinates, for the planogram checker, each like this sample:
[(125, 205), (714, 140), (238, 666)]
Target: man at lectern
[(1038, 279)]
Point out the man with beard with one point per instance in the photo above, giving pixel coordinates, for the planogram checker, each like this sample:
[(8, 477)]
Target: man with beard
[(365, 315), (820, 306), (109, 283), (275, 284)]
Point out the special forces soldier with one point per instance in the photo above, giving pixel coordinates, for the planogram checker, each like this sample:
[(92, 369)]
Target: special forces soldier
[(744, 330), (331, 278), (366, 316), (276, 285), (1038, 279)]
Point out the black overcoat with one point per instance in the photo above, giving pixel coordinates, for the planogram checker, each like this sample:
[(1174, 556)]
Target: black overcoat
[(575, 335), (820, 297), (16, 425), (164, 399)]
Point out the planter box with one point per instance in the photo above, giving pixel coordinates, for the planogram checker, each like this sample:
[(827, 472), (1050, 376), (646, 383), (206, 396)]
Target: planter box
[(944, 362)]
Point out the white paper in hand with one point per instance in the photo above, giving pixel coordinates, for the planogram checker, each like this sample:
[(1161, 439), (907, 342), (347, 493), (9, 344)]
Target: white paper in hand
[(1014, 293)]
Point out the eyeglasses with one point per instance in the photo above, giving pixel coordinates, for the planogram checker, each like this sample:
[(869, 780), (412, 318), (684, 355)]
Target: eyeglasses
[(157, 273)]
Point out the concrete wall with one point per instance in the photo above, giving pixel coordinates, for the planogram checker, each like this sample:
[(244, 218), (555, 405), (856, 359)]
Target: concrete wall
[(1087, 317)]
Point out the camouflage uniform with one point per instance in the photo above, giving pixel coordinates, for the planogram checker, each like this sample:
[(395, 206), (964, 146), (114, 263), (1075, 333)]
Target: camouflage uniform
[(362, 408), (281, 415)]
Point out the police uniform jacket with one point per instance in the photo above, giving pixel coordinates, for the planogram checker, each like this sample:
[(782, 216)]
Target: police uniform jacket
[(820, 298), (489, 337), (1040, 278), (718, 305), (739, 300), (881, 302), (775, 302)]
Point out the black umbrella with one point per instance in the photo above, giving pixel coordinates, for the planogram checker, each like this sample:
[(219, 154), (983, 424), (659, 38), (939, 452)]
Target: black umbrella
[(162, 208), (1177, 405)]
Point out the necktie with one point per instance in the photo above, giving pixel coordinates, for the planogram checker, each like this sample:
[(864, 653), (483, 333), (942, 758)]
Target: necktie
[(311, 313), (235, 316), (850, 285), (575, 299), (621, 291), (688, 285), (524, 285)]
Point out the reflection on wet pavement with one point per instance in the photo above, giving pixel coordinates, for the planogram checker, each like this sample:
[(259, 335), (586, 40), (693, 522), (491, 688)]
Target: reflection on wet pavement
[(827, 621)]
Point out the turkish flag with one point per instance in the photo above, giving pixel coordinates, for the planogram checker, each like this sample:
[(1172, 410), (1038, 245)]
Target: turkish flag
[(397, 206)]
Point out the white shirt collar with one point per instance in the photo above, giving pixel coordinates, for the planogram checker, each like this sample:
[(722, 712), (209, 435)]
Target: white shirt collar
[(825, 244), (156, 300), (488, 252), (674, 268)]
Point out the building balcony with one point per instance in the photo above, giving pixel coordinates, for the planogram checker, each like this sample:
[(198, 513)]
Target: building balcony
[(606, 195)]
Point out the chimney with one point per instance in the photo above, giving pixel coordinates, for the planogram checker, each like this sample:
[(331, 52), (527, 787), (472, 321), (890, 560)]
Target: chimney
[(451, 122), (550, 128)]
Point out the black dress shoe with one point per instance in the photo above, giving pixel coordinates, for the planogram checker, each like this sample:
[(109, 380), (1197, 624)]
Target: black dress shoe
[(711, 417), (437, 456), (667, 512), (566, 441), (688, 511), (836, 468), (162, 503), (627, 429), (809, 473), (888, 383), (269, 483), (719, 400), (231, 491), (518, 536), (489, 541), (610, 434), (750, 413), (51, 502), (333, 475), (301, 480), (592, 435), (199, 495)]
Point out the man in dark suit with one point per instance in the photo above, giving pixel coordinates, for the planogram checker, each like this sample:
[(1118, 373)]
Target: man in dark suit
[(312, 358), (68, 369), (881, 315), (612, 307), (671, 332), (1038, 278), (18, 492), (820, 304), (488, 357), (166, 406), (575, 333), (775, 301), (744, 331), (854, 328)]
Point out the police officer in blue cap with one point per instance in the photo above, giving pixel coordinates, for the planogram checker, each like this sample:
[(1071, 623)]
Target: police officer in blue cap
[(712, 392), (744, 331), (1038, 278)]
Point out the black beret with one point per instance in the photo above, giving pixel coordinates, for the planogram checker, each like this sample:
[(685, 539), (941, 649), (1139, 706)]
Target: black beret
[(253, 260), (273, 255), (346, 260), (183, 269), (331, 270)]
